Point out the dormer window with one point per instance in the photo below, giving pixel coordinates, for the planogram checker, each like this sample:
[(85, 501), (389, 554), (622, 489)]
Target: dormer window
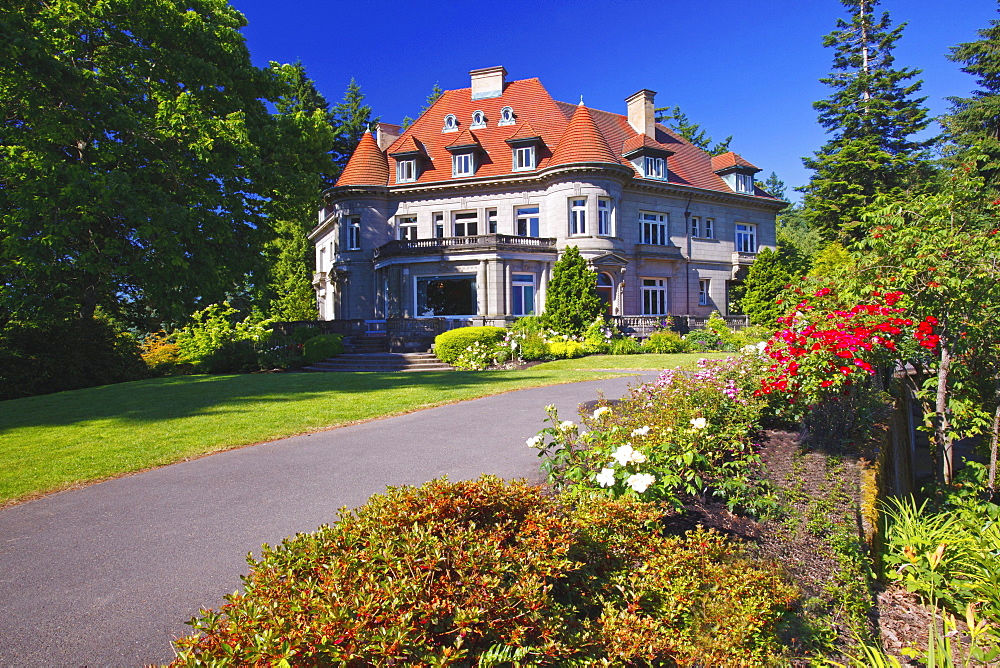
[(506, 116), (462, 164), (745, 183), (524, 158), (655, 168), (450, 123), (478, 120), (406, 171)]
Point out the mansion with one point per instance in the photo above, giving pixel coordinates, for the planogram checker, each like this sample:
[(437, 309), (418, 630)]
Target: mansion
[(464, 213)]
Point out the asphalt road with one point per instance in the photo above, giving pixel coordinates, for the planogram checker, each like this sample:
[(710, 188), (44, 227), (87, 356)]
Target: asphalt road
[(106, 575)]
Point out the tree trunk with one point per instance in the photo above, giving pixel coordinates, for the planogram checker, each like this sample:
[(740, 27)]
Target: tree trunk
[(991, 483), (941, 437)]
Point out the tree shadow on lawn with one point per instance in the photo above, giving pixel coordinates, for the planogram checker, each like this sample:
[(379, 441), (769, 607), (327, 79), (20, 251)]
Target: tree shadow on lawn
[(160, 399)]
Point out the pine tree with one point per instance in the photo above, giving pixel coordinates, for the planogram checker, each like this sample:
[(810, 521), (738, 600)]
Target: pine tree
[(571, 299), (677, 120), (872, 115), (776, 186), (975, 120), (350, 120)]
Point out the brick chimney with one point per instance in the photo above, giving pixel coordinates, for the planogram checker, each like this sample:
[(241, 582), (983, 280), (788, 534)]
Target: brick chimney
[(641, 116), (488, 82), (386, 133)]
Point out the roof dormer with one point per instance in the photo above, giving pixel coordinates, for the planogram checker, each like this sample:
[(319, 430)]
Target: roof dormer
[(736, 172)]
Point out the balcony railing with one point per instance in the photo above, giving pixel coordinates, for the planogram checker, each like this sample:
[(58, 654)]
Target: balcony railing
[(496, 242)]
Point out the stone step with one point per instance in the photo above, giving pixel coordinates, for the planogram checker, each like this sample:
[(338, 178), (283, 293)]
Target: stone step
[(382, 362)]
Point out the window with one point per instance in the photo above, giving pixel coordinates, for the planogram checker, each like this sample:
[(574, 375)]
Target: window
[(439, 225), (606, 292), (654, 229), (695, 226), (746, 238), (703, 286), (744, 183), (407, 228), (577, 217), (526, 224), (466, 225), (478, 120), (462, 164), (406, 171), (450, 123), (604, 216), (656, 168), (709, 228), (491, 221), (524, 157), (354, 234), (654, 296), (506, 116), (446, 295), (522, 294)]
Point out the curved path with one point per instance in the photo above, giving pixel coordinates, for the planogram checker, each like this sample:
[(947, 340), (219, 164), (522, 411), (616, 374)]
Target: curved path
[(106, 575)]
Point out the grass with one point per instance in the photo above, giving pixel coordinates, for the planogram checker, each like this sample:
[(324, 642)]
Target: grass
[(629, 362), (61, 440)]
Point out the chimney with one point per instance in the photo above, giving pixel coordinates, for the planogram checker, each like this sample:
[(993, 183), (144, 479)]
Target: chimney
[(488, 82), (641, 116), (385, 134)]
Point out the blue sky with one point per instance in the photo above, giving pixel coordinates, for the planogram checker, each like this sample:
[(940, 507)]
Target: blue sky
[(751, 73)]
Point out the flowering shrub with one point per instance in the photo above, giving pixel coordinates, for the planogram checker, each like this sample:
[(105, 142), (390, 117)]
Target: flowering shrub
[(448, 573), (479, 356), (597, 339), (450, 345)]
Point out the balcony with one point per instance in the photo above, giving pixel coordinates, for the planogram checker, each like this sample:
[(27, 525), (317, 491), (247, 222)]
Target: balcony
[(741, 264), (481, 242), (658, 252)]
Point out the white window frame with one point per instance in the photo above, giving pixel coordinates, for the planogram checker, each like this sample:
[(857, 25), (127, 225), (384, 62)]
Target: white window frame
[(653, 228), (655, 168), (406, 171), (518, 282), (438, 225), (604, 227), (524, 158), (744, 183), (695, 226), (465, 219), (746, 238), (491, 221), (463, 164), (709, 229), (450, 123), (506, 116), (407, 228), (478, 120), (354, 233), (654, 296), (704, 290), (577, 216), (523, 217)]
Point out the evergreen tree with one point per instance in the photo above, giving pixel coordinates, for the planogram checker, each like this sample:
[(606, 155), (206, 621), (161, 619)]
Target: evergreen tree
[(571, 299), (350, 119), (975, 120), (677, 120), (435, 93), (769, 275), (872, 115), (775, 186)]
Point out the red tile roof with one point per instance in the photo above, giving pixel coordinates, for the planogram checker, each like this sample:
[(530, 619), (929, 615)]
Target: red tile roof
[(524, 132), (368, 165), (729, 160), (582, 142), (569, 133)]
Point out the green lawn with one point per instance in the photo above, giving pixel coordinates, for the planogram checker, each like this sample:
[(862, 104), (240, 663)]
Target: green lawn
[(59, 440)]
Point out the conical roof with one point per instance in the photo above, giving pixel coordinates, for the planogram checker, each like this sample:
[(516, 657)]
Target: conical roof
[(582, 142), (368, 165)]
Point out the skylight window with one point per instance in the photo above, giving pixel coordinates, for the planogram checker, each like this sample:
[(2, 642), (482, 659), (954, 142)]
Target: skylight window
[(450, 123), (478, 120), (506, 116)]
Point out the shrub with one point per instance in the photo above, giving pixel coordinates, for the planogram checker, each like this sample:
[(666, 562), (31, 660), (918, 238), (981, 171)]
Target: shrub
[(598, 337), (665, 342), (571, 300), (449, 345), (303, 333), (320, 347), (625, 346), (449, 573), (162, 355), (703, 340), (211, 341), (565, 349)]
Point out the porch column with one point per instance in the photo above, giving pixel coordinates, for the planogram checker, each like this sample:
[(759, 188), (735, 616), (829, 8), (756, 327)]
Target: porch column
[(482, 289)]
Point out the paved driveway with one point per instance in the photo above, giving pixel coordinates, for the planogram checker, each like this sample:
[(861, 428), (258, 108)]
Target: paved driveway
[(106, 575)]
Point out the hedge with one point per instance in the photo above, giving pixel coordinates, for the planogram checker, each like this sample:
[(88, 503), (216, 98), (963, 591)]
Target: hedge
[(448, 345)]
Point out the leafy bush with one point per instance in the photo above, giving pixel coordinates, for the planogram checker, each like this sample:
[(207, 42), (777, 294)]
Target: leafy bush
[(320, 347), (303, 333), (162, 355), (217, 342), (565, 349), (665, 342), (449, 345), (571, 300), (528, 333), (704, 340), (625, 346), (60, 355), (598, 337), (449, 573)]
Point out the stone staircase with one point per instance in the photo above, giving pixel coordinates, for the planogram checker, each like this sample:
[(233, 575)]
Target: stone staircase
[(381, 361)]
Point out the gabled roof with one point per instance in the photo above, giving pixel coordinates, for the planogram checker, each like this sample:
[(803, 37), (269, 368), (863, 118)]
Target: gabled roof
[(524, 133), (409, 145), (639, 142), (367, 166), (731, 161), (465, 139), (582, 142)]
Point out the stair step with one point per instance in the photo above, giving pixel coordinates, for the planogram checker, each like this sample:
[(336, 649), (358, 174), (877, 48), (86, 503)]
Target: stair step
[(381, 362)]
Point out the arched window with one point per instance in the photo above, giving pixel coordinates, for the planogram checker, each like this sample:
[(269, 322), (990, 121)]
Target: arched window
[(450, 123), (478, 120), (606, 291), (506, 116)]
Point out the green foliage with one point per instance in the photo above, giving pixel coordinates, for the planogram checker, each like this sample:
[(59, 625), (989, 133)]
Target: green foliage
[(60, 355), (625, 346), (136, 157), (216, 341), (303, 333), (598, 337), (449, 345), (770, 274), (665, 342), (350, 118), (873, 114), (704, 340), (565, 349), (320, 347), (832, 263), (571, 300), (453, 573), (677, 120), (794, 230)]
